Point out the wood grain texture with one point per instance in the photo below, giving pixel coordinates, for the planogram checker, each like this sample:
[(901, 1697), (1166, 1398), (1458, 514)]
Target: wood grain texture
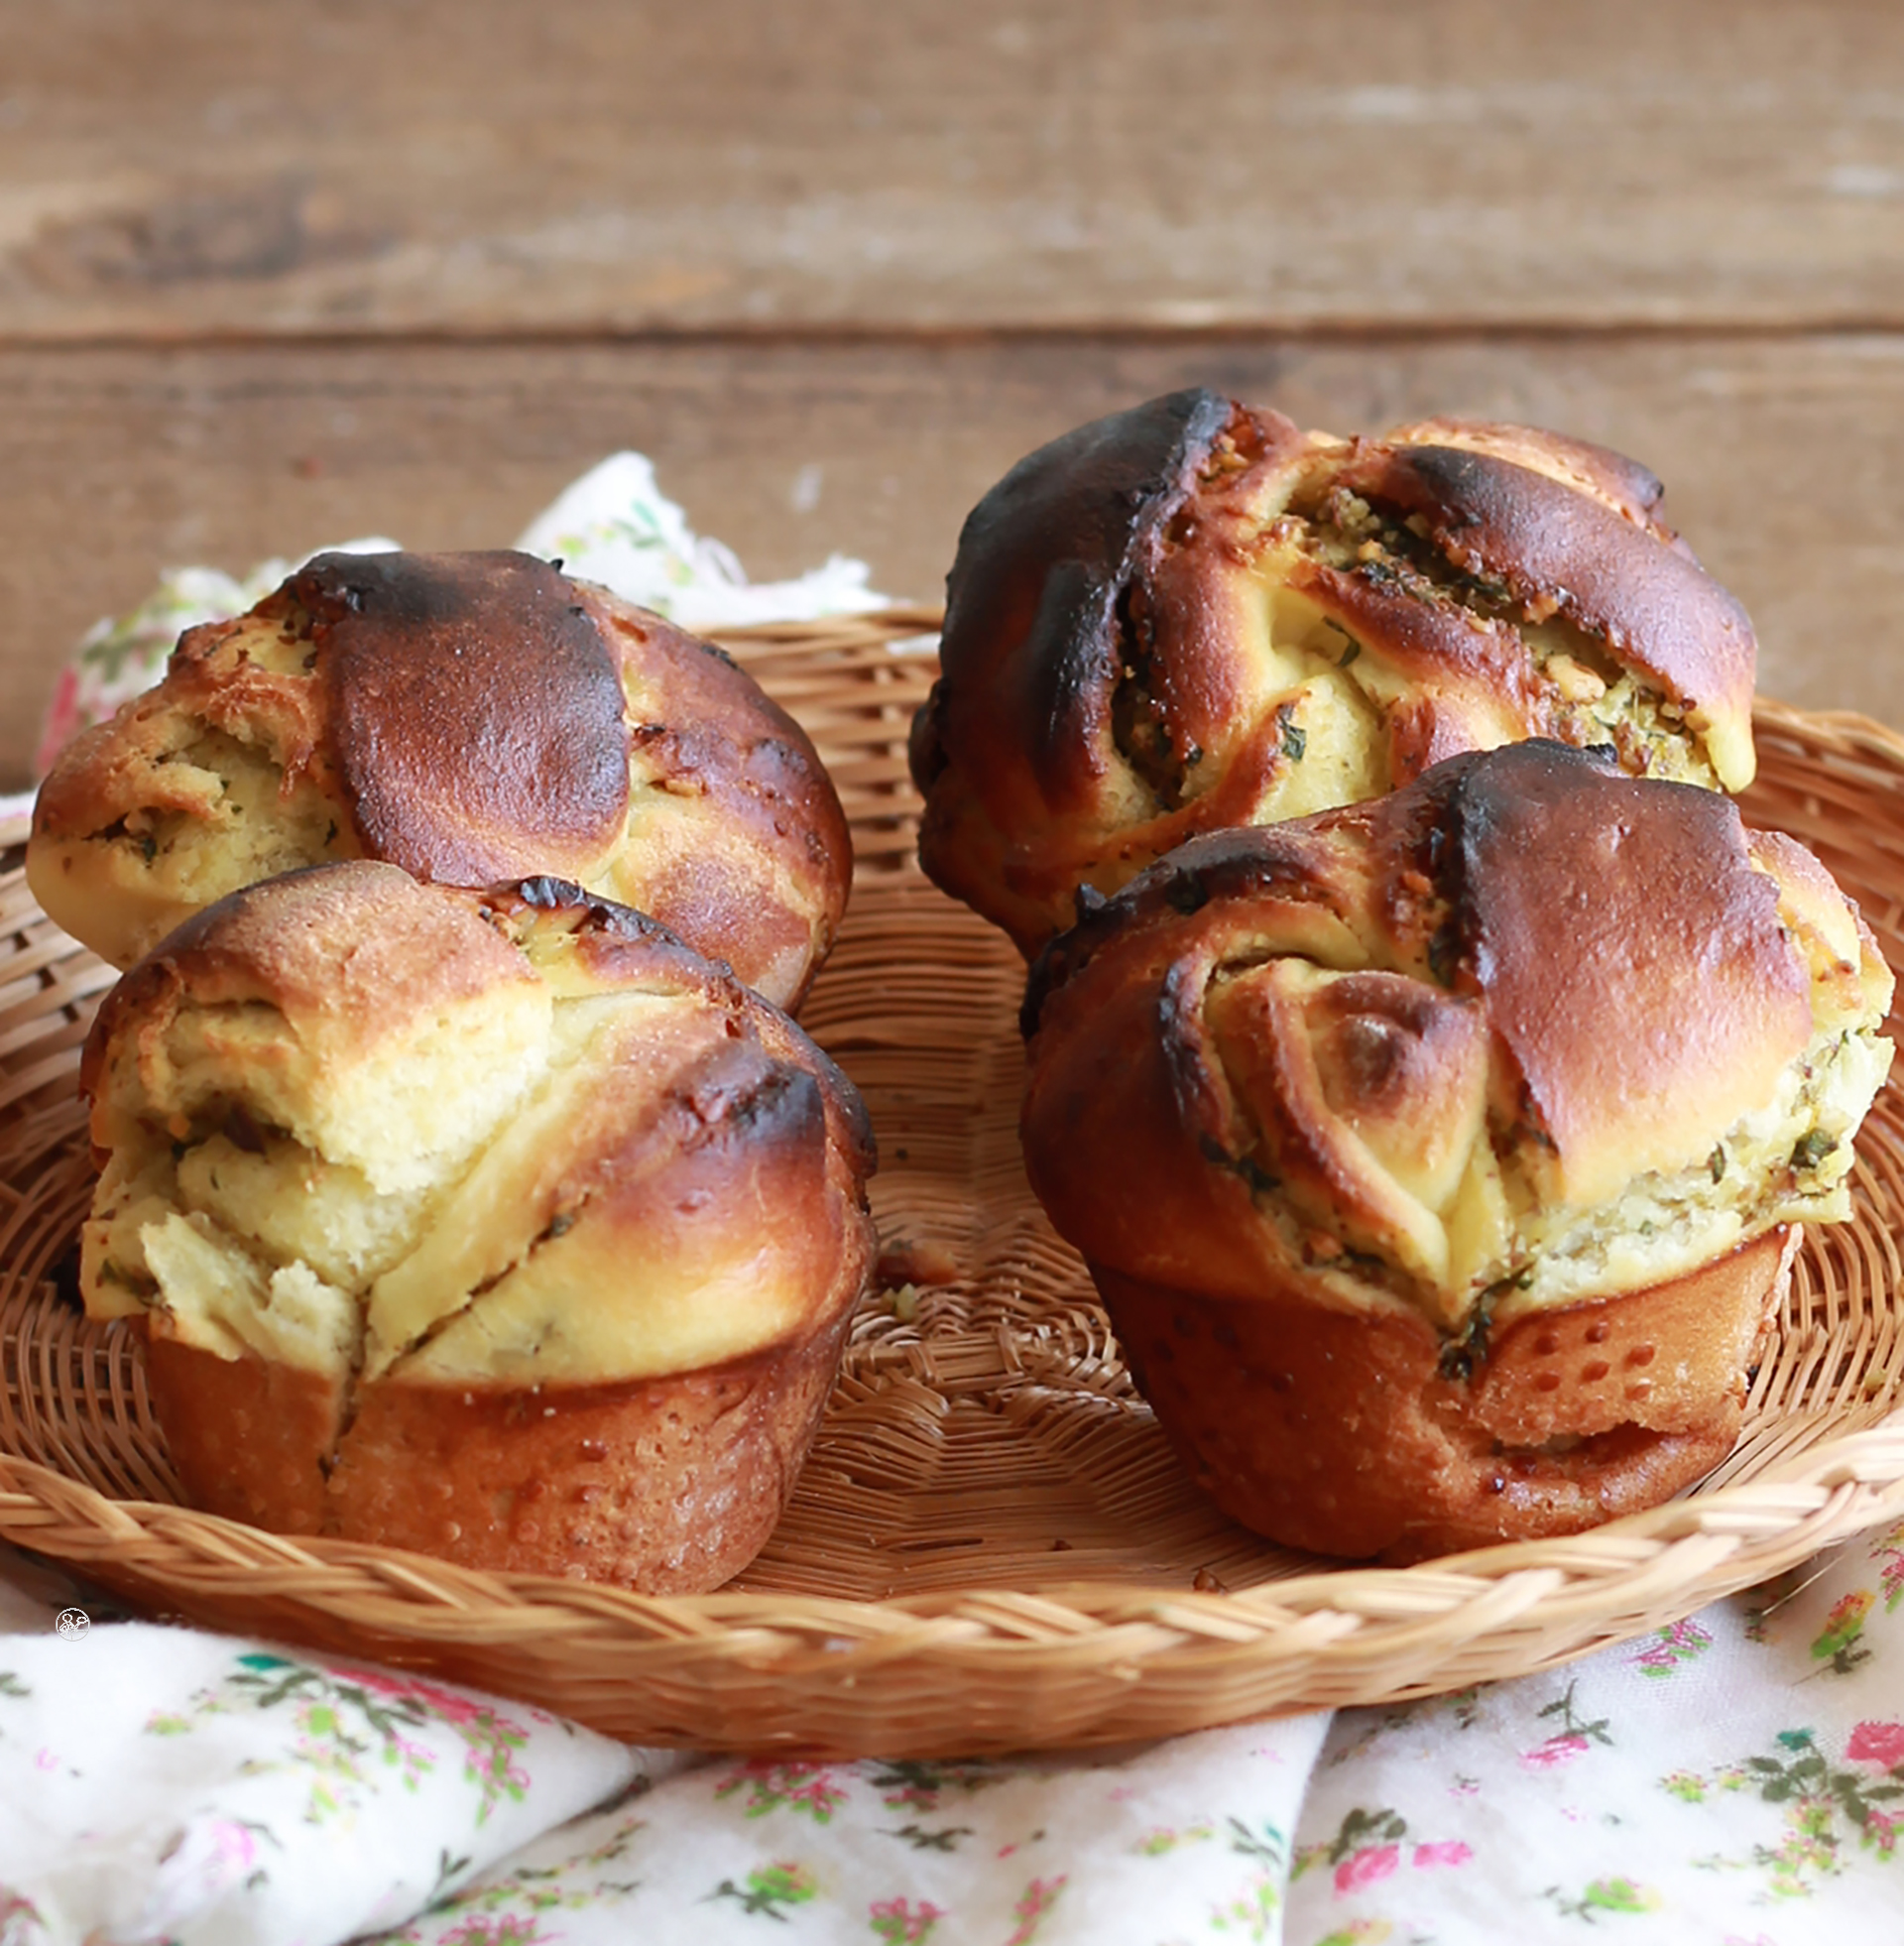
[(116, 461), (589, 166)]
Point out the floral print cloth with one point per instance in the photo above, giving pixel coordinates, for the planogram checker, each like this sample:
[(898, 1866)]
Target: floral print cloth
[(1733, 1779), (161, 1785)]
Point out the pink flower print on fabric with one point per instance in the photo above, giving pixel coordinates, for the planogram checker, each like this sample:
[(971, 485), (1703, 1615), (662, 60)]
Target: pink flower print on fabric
[(1880, 1832), (498, 1929), (913, 1785), (898, 1922), (20, 1920), (1890, 1579), (1876, 1743), (1670, 1647), (1449, 1851), (807, 1788), (1367, 1867), (1573, 1739), (459, 1711), (1561, 1749), (1164, 1837), (233, 1847), (1033, 1903)]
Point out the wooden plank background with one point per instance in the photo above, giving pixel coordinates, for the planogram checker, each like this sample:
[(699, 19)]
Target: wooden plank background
[(272, 276)]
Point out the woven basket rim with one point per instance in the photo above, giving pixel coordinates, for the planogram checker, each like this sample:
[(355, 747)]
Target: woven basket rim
[(1564, 1596), (1859, 1475)]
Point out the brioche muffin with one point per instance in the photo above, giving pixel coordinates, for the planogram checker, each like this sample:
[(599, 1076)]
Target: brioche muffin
[(473, 718), (496, 1225), (1438, 1157), (1194, 615)]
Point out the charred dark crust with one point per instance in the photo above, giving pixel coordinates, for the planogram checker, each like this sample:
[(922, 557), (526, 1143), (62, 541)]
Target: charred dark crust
[(1527, 540), (423, 658), (1042, 562), (634, 946), (1248, 861), (1443, 827)]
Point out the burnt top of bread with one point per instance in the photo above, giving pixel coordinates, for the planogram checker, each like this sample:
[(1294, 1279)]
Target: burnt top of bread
[(471, 717), (416, 654), (1556, 549), (1122, 667), (1597, 978), (1043, 561)]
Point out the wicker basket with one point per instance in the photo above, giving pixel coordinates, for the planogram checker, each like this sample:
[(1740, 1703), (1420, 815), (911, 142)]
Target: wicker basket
[(992, 1547)]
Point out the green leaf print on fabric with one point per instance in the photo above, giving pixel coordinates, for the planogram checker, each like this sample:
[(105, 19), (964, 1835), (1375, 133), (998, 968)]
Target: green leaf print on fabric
[(1166, 1840), (1693, 1789), (913, 1784), (1573, 1739), (1823, 1805), (510, 1911), (898, 1922), (352, 1722), (945, 1840), (10, 1685), (809, 1789), (1365, 1847), (1840, 1644), (767, 1887), (1268, 1849), (1252, 1910), (1768, 1599), (1462, 1705), (1604, 1896)]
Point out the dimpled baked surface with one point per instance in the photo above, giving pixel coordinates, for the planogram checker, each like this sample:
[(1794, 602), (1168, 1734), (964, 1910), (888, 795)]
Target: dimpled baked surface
[(472, 719), (495, 1224), (1194, 615), (1415, 1105)]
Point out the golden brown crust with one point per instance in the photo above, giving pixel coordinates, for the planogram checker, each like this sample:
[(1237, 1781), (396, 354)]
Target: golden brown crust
[(1346, 1434), (1403, 1091), (248, 1437), (668, 1486), (493, 1223), (1567, 552), (1193, 614), (1669, 1012), (472, 719), (354, 953)]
